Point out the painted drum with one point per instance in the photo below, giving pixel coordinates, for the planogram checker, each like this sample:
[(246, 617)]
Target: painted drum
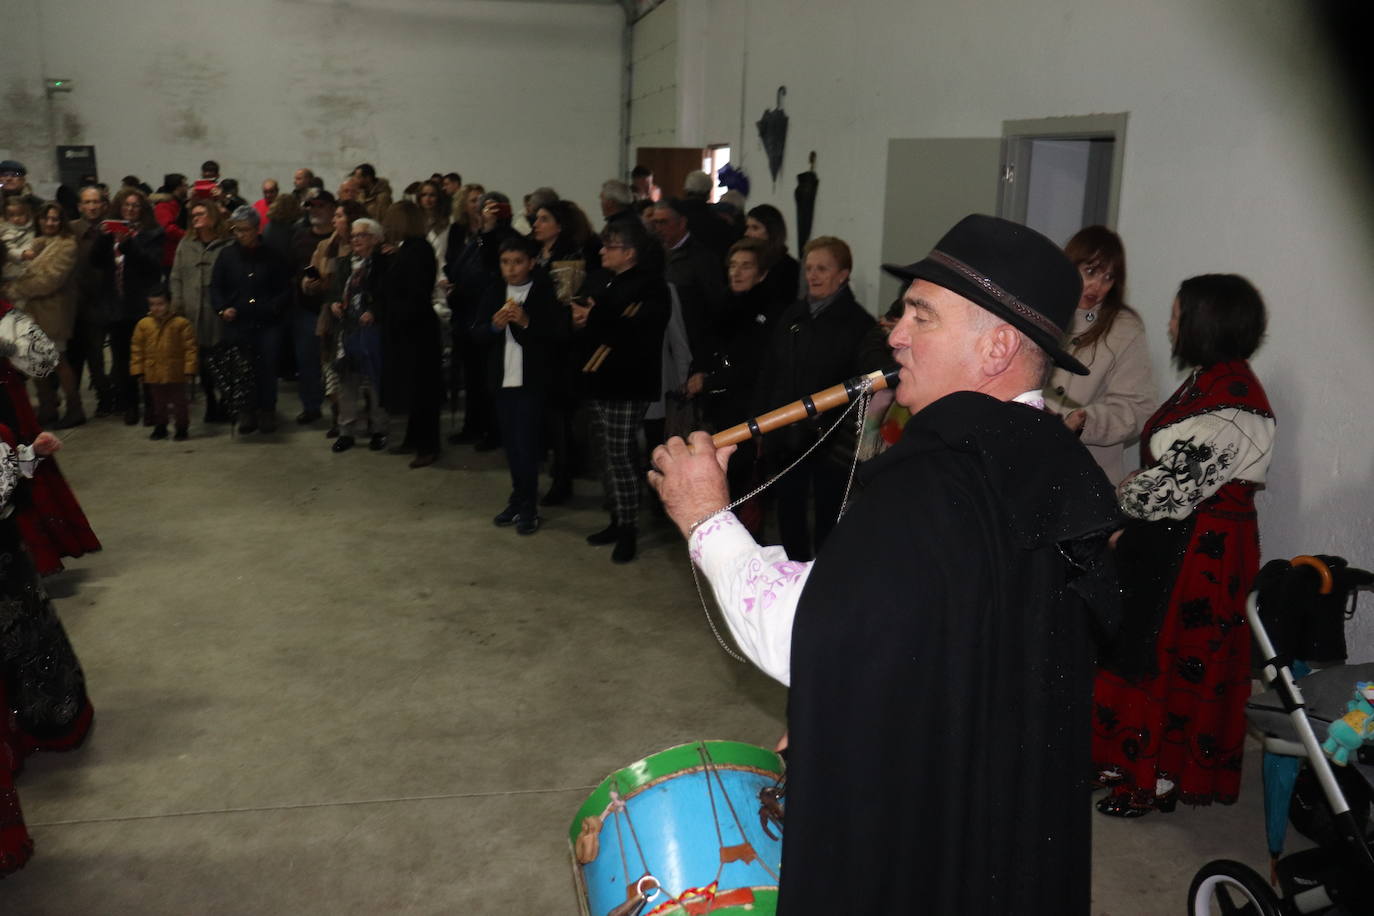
[(694, 829)]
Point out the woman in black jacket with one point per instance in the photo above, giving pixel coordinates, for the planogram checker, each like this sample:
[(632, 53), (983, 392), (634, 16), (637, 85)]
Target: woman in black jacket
[(412, 355), (820, 340), (622, 322), (129, 251), (765, 223), (563, 237)]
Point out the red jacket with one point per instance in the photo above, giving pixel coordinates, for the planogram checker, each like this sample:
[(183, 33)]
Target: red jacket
[(167, 210)]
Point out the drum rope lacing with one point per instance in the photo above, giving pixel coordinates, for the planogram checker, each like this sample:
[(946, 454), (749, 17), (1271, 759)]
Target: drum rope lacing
[(711, 770), (861, 402), (618, 808)]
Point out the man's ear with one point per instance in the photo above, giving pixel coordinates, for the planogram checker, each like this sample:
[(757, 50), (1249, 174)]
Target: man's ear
[(998, 349)]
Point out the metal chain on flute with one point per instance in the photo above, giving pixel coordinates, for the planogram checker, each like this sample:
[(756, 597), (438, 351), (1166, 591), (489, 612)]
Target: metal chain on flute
[(857, 392)]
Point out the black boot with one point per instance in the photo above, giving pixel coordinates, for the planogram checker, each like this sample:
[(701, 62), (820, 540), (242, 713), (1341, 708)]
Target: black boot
[(624, 545), (558, 493), (608, 535)]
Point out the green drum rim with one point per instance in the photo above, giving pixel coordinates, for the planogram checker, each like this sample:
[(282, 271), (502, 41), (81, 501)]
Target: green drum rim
[(765, 901), (730, 755)]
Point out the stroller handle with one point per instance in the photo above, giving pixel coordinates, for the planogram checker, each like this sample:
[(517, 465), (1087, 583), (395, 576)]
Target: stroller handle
[(1333, 575)]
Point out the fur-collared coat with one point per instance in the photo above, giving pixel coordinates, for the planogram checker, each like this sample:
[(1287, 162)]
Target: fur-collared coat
[(46, 289)]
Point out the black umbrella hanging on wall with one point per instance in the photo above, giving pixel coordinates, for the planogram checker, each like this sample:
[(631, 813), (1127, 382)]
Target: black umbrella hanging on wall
[(805, 195), (773, 132)]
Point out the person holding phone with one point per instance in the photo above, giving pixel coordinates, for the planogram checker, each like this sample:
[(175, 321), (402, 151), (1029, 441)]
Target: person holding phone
[(130, 247), (477, 268)]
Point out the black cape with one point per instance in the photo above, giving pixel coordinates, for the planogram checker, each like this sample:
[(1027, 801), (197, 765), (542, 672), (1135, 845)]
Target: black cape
[(942, 671)]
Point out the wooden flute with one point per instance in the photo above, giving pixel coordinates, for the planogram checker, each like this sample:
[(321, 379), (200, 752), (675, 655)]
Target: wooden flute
[(809, 406)]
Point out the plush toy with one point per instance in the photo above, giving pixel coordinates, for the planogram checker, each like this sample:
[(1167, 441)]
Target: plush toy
[(1355, 728)]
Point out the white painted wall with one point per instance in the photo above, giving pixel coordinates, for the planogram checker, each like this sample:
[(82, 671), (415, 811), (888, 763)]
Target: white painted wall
[(654, 93), (1239, 158), (514, 95)]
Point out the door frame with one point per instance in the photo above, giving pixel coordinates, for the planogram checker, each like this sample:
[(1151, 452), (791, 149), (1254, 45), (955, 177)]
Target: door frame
[(1017, 136)]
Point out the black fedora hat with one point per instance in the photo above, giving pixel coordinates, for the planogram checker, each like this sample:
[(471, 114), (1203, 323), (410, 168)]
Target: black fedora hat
[(1012, 271)]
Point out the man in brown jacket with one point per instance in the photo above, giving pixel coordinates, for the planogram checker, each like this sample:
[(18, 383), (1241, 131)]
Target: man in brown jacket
[(87, 344)]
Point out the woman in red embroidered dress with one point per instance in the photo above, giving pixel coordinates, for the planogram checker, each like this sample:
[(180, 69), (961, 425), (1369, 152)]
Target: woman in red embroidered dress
[(49, 517), (1169, 701), (43, 704)]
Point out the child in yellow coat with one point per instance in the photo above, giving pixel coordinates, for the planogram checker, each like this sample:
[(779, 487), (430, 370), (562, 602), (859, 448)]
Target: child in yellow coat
[(163, 351)]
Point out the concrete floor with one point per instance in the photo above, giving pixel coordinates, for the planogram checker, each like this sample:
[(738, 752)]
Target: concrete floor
[(326, 684)]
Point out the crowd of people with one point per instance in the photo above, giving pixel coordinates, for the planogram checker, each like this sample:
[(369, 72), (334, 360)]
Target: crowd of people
[(578, 351)]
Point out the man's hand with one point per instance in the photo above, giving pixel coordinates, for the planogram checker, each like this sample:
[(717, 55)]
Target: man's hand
[(229, 314), (337, 309), (46, 444), (1075, 419), (365, 319), (690, 478), (695, 382)]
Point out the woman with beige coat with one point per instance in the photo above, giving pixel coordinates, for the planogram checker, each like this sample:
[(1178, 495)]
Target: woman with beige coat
[(46, 290), (1108, 406), (189, 282)]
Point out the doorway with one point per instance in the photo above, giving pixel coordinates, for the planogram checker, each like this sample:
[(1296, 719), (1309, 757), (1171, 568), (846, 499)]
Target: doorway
[(1061, 174), (670, 165)]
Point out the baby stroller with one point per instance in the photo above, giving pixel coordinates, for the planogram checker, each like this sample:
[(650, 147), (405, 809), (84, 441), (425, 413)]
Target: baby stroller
[(1299, 603)]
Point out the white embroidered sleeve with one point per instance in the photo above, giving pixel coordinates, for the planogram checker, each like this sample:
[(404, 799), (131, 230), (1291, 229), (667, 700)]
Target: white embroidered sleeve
[(28, 348), (14, 464), (1197, 456), (757, 590)]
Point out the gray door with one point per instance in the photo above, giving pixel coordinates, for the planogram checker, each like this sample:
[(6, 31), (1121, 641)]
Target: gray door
[(931, 185)]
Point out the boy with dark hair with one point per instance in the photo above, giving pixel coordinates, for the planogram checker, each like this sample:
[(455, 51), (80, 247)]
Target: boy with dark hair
[(523, 319), (163, 351)]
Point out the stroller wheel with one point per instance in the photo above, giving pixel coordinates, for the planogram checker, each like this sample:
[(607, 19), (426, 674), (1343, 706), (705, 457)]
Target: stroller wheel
[(1227, 888)]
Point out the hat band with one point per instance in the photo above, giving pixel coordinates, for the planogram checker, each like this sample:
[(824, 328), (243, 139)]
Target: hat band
[(996, 292)]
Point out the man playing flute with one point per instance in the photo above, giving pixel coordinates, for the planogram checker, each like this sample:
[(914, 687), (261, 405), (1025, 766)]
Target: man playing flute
[(940, 649)]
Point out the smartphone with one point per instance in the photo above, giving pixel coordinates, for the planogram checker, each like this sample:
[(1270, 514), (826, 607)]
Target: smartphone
[(202, 188), (115, 227), (502, 210)]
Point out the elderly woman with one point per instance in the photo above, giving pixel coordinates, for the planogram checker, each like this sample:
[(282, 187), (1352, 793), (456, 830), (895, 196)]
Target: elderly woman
[(723, 377), (46, 289), (622, 325), (1106, 407), (820, 340), (131, 251), (412, 357), (1169, 719), (358, 360), (189, 282)]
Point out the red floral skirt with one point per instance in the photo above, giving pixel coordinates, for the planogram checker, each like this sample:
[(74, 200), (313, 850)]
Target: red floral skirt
[(1186, 723)]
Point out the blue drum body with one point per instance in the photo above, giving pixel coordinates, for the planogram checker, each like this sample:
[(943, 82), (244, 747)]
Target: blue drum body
[(694, 829)]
